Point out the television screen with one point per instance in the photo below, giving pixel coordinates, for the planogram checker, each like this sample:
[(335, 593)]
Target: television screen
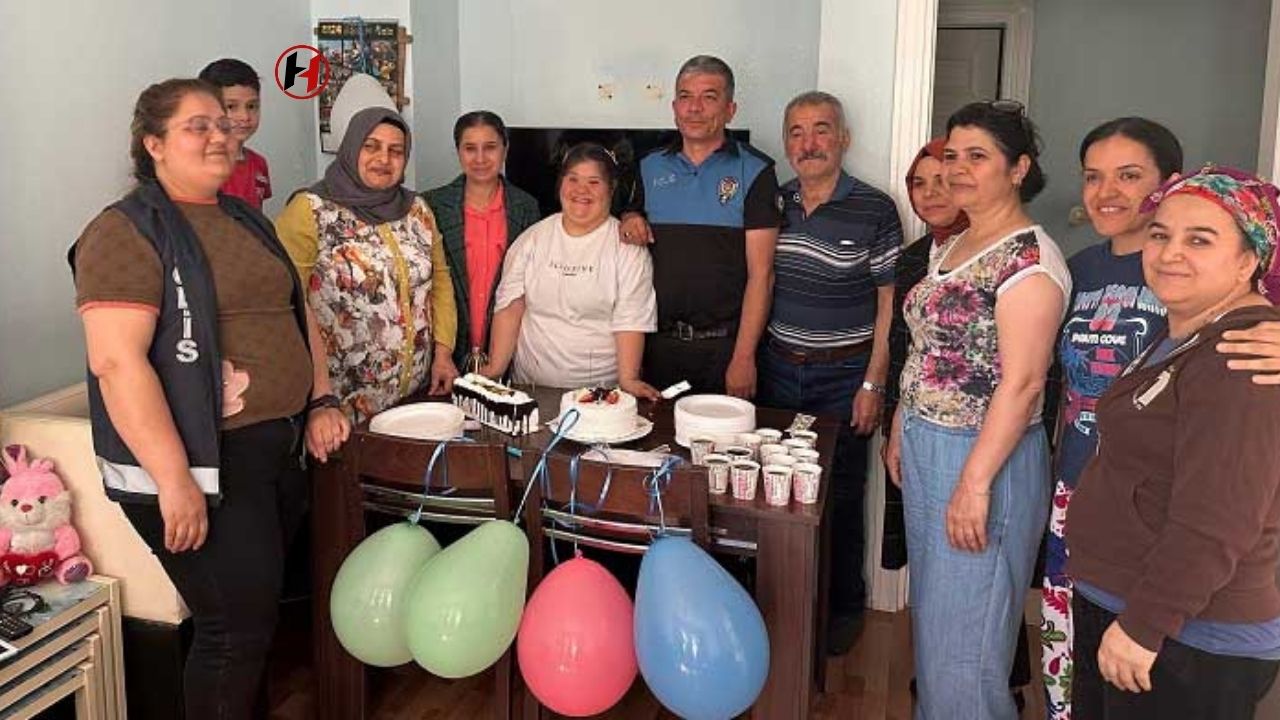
[(533, 158)]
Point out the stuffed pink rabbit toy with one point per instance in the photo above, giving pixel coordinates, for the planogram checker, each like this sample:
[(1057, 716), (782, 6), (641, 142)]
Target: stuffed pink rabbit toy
[(37, 540)]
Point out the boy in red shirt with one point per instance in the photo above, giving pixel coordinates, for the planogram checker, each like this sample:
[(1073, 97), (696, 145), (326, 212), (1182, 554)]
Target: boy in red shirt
[(250, 180)]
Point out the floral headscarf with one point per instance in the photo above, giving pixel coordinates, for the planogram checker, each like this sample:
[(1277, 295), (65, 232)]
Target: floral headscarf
[(1251, 202)]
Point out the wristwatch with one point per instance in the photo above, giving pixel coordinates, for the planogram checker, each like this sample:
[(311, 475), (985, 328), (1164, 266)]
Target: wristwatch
[(872, 387), (324, 401)]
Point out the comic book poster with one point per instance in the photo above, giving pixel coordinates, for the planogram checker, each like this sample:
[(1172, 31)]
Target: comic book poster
[(356, 45)]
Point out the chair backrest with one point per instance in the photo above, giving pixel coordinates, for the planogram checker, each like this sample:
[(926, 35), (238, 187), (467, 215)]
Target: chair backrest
[(630, 513), (479, 481)]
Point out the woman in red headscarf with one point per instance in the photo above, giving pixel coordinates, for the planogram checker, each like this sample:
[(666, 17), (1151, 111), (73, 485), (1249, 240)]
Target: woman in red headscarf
[(931, 201)]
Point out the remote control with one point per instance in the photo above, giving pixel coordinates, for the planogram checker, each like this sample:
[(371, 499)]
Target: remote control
[(13, 627)]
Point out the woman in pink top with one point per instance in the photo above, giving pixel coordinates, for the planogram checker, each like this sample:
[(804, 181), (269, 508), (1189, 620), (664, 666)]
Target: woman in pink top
[(479, 214)]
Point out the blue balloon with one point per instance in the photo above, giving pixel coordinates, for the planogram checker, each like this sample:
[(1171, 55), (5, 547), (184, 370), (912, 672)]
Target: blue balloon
[(700, 640)]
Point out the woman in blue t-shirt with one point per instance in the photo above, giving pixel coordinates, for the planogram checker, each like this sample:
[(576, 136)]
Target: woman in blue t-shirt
[(1111, 318)]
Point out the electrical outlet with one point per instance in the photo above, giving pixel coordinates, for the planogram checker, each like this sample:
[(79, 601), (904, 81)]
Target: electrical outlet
[(605, 91)]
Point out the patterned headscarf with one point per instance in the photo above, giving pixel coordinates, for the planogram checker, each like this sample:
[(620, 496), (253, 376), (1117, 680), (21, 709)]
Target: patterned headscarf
[(1251, 201)]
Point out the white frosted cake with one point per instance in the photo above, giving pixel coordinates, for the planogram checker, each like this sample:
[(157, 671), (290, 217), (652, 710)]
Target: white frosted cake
[(605, 412), (496, 405)]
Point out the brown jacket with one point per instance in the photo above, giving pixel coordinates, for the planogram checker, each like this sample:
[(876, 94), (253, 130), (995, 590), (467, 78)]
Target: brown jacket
[(1179, 512)]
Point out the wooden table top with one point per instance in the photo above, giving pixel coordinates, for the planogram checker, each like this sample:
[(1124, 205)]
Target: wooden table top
[(661, 414)]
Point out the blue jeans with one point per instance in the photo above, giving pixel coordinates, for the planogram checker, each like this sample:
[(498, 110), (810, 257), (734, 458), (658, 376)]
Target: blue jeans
[(828, 389), (966, 607)]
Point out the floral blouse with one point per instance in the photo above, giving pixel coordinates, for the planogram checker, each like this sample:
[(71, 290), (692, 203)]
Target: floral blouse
[(954, 364), (371, 290)]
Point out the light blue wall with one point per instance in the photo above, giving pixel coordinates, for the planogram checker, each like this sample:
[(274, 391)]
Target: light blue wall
[(1195, 66), (856, 63), (540, 62), (437, 89), (72, 73)]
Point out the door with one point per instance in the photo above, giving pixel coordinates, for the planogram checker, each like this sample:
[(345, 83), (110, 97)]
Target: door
[(966, 69)]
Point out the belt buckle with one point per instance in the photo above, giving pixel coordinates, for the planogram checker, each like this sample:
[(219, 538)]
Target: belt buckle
[(684, 331)]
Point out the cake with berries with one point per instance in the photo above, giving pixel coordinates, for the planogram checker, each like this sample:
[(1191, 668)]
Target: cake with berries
[(604, 412), (496, 405)]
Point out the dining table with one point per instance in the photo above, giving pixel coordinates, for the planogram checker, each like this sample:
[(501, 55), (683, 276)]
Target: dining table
[(789, 545)]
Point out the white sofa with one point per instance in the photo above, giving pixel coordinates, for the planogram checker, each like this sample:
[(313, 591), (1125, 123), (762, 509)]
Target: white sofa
[(56, 426)]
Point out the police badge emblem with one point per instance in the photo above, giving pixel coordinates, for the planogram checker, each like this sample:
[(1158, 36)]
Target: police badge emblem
[(728, 189)]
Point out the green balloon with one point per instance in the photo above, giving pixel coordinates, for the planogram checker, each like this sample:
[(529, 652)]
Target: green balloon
[(370, 593), (465, 605)]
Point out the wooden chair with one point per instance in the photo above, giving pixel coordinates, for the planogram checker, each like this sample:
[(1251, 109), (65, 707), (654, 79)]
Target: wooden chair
[(625, 521), (480, 489)]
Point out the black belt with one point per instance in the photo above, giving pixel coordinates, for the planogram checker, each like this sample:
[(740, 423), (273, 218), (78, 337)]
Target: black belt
[(804, 356), (684, 331)]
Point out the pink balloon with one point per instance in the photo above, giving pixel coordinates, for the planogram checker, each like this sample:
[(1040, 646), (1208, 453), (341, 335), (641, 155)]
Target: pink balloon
[(576, 646)]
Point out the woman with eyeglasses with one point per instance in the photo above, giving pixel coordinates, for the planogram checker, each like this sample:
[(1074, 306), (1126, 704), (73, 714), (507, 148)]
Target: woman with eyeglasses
[(378, 286), (574, 303), (199, 374), (1174, 530), (967, 446)]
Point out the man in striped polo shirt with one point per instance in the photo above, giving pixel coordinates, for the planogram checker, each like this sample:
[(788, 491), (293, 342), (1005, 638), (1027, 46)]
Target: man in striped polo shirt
[(826, 346)]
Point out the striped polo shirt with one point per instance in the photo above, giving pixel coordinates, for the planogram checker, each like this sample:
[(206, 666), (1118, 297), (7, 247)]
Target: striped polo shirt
[(829, 264)]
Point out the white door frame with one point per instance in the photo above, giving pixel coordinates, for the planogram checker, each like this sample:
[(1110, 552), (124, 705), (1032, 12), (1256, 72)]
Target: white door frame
[(1269, 140)]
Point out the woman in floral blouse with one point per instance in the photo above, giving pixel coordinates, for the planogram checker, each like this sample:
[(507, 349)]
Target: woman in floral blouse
[(377, 281), (967, 446)]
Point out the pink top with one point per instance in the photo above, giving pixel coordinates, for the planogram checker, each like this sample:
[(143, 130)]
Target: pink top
[(485, 233), (250, 180)]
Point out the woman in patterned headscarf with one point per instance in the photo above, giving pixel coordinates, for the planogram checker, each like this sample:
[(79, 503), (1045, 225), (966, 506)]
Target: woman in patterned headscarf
[(1174, 531)]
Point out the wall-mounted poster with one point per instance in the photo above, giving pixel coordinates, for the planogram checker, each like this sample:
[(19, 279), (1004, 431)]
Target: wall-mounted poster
[(377, 48)]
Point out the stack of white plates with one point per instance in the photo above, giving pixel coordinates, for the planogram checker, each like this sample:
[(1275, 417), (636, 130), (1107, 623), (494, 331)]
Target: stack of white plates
[(420, 421), (717, 416)]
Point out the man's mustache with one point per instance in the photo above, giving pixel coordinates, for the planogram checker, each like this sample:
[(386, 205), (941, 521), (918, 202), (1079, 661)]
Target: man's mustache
[(812, 155)]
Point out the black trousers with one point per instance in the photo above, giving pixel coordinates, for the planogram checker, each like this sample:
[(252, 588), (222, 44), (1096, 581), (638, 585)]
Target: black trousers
[(669, 360), (1186, 683), (232, 583)]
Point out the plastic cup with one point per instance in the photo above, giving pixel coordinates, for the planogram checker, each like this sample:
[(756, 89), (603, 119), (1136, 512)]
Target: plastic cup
[(806, 455), (737, 452), (769, 435), (717, 473), (768, 450), (744, 476), (777, 484), (752, 442), (806, 478), (793, 444), (809, 436), (700, 447), (780, 459)]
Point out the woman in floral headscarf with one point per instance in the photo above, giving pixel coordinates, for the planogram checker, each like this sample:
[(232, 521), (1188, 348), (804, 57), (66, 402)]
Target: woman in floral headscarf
[(1174, 531), (377, 281)]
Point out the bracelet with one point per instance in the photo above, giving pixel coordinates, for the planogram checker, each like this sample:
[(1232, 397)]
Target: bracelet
[(324, 401), (872, 387)]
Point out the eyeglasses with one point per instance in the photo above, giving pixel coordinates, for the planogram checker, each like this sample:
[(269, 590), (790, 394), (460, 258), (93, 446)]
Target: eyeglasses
[(202, 124), (1013, 107)]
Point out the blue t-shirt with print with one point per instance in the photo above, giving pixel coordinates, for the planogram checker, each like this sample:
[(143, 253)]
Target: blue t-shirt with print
[(1112, 318)]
